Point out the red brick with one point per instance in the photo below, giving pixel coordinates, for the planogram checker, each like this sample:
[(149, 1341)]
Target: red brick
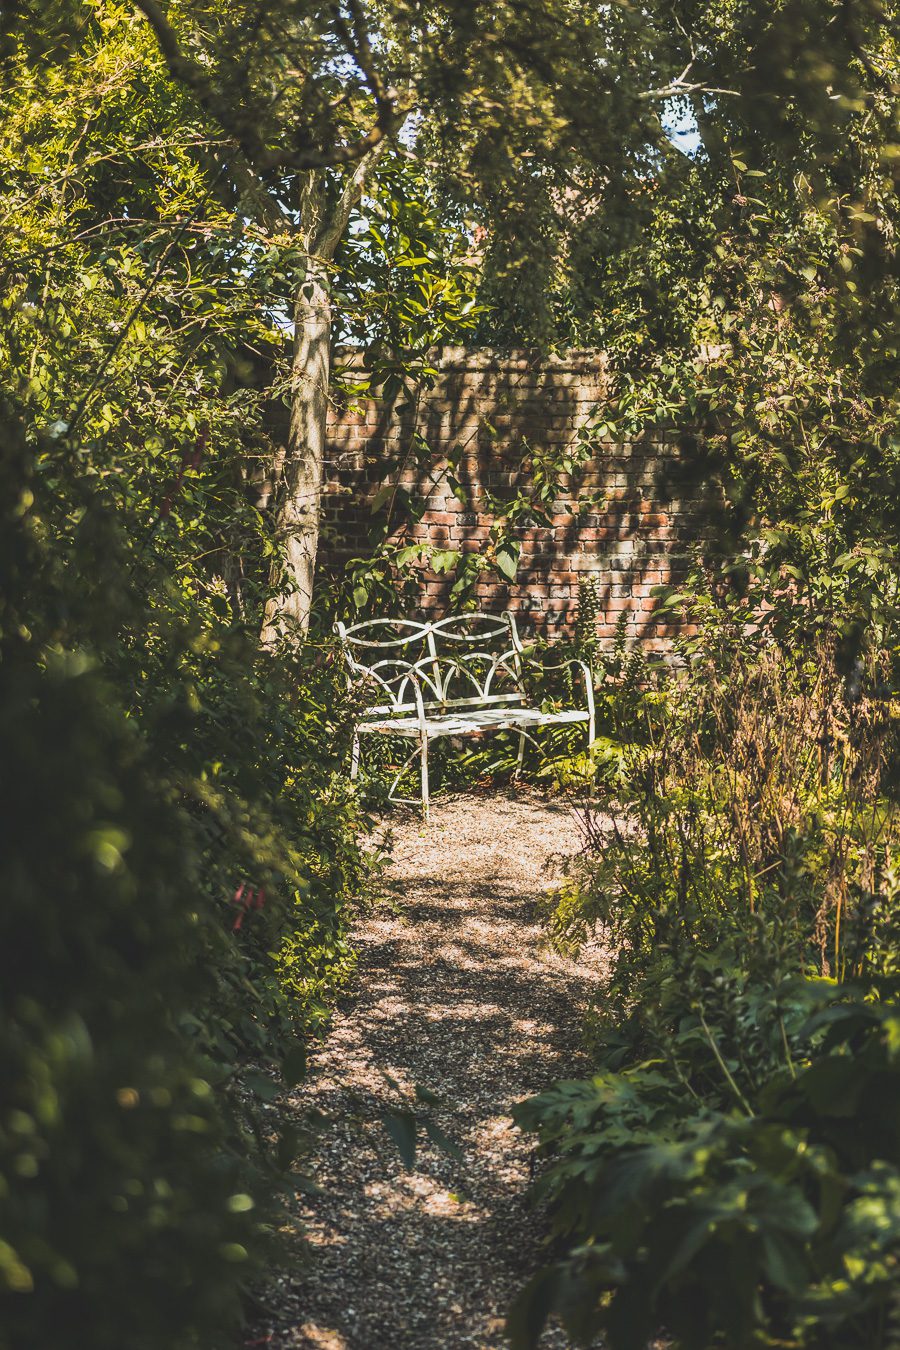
[(624, 542)]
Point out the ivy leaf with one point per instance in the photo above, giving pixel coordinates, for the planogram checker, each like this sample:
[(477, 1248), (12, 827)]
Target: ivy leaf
[(444, 560), (506, 559)]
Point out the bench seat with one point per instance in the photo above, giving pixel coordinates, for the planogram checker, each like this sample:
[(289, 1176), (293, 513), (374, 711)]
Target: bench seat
[(471, 722)]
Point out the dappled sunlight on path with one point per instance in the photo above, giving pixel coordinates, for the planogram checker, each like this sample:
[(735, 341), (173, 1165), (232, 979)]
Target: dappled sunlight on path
[(456, 993)]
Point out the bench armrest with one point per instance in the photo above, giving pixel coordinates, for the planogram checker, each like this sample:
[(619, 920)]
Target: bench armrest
[(395, 700), (567, 661)]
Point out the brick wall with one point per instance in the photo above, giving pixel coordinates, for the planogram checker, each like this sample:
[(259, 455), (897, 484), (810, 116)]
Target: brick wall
[(621, 519)]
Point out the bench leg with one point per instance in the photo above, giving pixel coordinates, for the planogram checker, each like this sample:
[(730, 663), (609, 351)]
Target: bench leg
[(354, 757), (425, 777), (521, 759)]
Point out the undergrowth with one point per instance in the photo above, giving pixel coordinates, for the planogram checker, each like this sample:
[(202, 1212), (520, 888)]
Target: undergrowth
[(731, 1173), (180, 852)]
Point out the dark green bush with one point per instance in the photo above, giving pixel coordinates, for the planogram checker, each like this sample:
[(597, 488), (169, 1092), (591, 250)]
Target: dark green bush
[(771, 1224), (127, 1215), (178, 854), (125, 1212), (731, 1174)]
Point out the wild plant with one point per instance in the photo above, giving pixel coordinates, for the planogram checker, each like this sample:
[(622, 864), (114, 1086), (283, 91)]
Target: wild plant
[(732, 1171)]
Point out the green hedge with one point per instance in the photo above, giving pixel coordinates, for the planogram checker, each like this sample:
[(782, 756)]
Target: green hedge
[(159, 770), (125, 1214)]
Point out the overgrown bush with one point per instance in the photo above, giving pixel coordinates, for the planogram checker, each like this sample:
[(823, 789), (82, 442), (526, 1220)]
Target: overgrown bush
[(112, 1145), (180, 847), (128, 1210), (771, 1220), (731, 1174)]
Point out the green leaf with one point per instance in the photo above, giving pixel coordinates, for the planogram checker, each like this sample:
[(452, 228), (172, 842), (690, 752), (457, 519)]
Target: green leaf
[(532, 1308), (506, 559), (442, 1140), (306, 1185), (784, 1263), (833, 1085), (293, 1065), (261, 1086), (287, 1148), (401, 1126), (444, 560)]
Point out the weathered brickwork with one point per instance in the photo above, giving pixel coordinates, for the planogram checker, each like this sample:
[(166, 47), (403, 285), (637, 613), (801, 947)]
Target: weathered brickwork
[(619, 519)]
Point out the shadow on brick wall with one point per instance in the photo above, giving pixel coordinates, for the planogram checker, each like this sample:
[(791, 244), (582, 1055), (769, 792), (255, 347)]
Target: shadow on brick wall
[(441, 465)]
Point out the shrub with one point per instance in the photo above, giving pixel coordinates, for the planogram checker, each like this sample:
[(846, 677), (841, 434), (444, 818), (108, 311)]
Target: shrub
[(126, 1216), (739, 1226), (731, 1173), (125, 1211), (177, 860)]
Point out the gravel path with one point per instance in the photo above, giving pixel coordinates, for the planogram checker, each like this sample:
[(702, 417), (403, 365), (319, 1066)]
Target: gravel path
[(457, 993)]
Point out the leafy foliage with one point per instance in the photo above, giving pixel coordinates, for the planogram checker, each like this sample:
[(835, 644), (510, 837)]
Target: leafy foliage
[(715, 1177), (730, 1175), (181, 848), (778, 1223)]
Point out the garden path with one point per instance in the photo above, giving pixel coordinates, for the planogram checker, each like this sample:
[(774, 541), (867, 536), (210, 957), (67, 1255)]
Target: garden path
[(456, 992)]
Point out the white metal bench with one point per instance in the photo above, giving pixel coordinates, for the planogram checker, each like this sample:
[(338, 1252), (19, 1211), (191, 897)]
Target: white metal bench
[(461, 676)]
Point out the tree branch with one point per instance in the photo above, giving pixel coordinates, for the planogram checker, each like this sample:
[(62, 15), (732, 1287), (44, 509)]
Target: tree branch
[(192, 75), (242, 130), (332, 233), (359, 46), (677, 89)]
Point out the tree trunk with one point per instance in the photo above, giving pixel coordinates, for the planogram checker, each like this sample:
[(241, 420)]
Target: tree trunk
[(298, 500), (299, 493)]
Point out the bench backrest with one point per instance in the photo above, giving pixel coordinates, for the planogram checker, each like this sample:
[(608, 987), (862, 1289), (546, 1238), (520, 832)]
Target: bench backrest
[(466, 660)]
